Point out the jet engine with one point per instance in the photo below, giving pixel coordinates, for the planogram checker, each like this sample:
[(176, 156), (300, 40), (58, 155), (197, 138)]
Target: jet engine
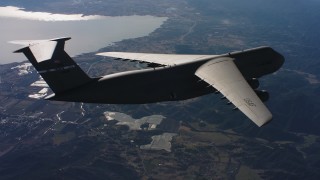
[(263, 95), (254, 83)]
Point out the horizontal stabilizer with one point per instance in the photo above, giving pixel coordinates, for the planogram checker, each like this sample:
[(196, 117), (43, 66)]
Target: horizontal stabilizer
[(31, 42), (41, 48), (55, 66)]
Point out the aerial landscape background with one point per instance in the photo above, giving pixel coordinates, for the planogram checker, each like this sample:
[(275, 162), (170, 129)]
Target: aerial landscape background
[(200, 138)]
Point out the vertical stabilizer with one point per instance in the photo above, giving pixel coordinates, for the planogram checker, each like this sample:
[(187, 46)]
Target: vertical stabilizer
[(55, 66)]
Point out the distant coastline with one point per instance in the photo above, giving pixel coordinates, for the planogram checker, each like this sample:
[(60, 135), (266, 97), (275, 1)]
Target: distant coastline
[(89, 33)]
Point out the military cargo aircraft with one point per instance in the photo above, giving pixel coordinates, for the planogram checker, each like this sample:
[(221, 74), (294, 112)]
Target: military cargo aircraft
[(171, 77)]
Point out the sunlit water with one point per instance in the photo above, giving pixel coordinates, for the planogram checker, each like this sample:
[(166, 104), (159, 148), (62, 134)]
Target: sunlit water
[(89, 33)]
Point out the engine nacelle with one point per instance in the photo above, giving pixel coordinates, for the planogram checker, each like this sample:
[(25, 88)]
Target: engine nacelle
[(254, 83), (263, 95)]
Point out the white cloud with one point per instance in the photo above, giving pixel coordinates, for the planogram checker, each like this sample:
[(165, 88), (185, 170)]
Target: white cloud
[(16, 12)]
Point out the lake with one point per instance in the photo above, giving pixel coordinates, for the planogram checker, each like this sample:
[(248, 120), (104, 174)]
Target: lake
[(89, 33)]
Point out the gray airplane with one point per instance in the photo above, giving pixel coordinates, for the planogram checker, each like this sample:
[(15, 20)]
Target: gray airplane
[(171, 77)]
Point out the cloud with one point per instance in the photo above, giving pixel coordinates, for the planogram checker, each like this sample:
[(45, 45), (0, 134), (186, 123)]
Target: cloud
[(16, 12)]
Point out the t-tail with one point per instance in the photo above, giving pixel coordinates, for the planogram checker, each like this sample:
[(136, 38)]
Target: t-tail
[(55, 66)]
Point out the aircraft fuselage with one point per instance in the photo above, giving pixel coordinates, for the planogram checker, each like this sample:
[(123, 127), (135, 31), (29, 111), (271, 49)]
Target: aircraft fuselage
[(168, 83)]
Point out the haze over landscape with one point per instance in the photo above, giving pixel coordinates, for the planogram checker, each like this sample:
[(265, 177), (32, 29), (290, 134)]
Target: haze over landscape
[(200, 138)]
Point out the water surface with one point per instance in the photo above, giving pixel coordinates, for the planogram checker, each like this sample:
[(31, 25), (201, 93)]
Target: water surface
[(89, 33)]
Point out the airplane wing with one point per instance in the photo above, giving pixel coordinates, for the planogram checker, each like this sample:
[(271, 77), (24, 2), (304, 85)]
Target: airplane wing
[(223, 75), (220, 72), (160, 59)]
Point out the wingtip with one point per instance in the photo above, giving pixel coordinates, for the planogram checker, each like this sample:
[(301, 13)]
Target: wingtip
[(108, 54), (265, 121), (20, 50), (61, 39), (100, 54)]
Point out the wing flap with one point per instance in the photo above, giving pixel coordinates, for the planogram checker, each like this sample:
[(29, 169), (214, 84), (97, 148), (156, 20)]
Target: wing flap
[(162, 59), (223, 75)]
